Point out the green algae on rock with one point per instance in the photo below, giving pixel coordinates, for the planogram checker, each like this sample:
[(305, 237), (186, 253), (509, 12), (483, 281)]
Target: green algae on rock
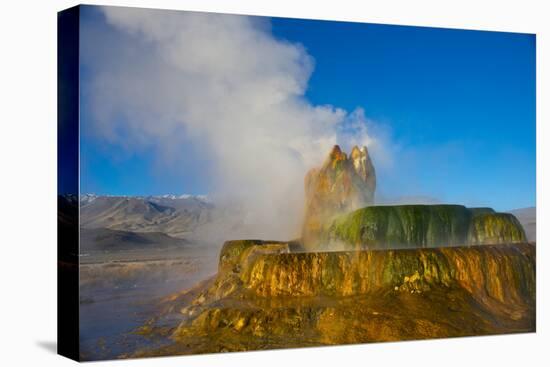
[(496, 228), (410, 226)]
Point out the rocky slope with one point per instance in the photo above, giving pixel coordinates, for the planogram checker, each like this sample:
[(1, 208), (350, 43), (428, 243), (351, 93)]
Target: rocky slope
[(174, 216), (109, 240), (266, 296), (409, 226), (341, 185)]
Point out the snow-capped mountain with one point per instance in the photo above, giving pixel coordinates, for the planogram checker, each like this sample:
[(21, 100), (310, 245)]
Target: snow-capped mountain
[(89, 197), (175, 215)]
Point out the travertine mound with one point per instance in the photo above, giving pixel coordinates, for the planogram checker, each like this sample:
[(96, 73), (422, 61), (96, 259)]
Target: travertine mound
[(420, 226), (407, 272), (266, 296), (270, 269)]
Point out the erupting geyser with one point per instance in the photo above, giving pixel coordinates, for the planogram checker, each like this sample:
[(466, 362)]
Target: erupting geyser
[(408, 272)]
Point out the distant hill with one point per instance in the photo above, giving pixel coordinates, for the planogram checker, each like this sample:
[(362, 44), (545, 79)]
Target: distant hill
[(172, 215), (528, 219), (177, 217), (108, 240), (194, 218)]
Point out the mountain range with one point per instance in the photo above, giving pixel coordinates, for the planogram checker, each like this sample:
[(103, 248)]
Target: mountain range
[(110, 223), (176, 216)]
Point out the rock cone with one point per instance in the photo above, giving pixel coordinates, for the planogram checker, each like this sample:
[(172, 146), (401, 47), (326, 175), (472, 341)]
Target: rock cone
[(341, 185)]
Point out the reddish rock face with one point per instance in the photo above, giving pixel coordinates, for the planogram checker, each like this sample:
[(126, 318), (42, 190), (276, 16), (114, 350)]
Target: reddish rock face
[(341, 185)]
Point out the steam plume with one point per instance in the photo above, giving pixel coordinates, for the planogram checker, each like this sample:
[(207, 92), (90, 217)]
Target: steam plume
[(224, 81)]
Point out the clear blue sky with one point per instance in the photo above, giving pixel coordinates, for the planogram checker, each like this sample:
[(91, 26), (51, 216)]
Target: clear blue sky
[(459, 104)]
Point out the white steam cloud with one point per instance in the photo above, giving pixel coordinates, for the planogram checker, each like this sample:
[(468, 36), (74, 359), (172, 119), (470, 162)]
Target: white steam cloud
[(226, 82)]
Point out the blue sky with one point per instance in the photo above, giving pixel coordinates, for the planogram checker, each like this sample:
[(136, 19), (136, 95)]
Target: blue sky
[(467, 96), (456, 108)]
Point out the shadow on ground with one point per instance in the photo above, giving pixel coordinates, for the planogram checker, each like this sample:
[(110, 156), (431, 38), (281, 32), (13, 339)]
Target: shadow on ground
[(48, 345)]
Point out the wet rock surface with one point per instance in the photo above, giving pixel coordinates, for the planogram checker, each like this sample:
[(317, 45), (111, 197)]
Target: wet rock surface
[(412, 226), (266, 296)]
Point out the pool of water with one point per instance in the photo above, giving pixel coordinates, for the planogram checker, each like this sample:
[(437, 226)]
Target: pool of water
[(116, 299)]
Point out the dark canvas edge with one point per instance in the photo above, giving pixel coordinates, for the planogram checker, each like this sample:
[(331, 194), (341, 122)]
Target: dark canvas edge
[(68, 22)]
